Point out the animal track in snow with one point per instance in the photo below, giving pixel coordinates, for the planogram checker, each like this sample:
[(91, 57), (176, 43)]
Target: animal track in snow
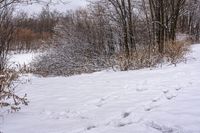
[(165, 91), (126, 118), (178, 88), (104, 100), (164, 129), (126, 114), (143, 86), (156, 99), (122, 124), (91, 127), (170, 96), (150, 107), (166, 94)]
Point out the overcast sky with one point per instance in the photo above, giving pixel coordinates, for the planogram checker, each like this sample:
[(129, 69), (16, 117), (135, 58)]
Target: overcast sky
[(69, 4)]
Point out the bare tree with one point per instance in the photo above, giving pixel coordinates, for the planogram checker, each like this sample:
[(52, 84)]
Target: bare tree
[(6, 35), (164, 16), (190, 19)]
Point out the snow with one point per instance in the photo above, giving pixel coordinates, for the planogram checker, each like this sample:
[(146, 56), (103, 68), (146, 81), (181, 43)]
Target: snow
[(17, 60), (162, 100), (182, 37)]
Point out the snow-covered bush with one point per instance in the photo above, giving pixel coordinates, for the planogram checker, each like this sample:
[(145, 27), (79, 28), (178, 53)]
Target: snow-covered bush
[(68, 55), (66, 59)]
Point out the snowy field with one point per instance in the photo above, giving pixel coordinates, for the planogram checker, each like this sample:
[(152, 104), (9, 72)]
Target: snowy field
[(17, 60), (162, 100)]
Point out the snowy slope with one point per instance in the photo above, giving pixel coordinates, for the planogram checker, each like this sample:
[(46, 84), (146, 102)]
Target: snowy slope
[(162, 100)]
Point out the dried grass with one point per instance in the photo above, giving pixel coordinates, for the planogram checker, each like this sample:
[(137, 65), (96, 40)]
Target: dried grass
[(174, 53), (8, 98)]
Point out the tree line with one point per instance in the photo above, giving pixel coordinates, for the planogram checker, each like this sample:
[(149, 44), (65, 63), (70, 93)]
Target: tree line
[(125, 33), (121, 28)]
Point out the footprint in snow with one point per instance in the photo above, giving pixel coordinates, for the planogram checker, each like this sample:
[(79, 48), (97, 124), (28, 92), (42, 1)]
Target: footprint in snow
[(122, 124), (170, 96), (126, 114), (91, 127), (151, 106), (125, 119), (165, 91), (101, 102), (178, 88), (156, 99), (142, 86), (104, 100), (164, 129)]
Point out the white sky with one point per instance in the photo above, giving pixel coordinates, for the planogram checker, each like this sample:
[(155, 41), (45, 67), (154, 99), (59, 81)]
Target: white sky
[(69, 4)]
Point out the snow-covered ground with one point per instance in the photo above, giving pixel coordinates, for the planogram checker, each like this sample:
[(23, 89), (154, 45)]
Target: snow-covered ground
[(162, 100), (21, 59)]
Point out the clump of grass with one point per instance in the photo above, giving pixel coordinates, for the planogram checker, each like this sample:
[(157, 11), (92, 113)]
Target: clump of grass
[(8, 98)]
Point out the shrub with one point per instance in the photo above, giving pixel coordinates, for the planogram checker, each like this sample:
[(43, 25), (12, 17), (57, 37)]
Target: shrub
[(150, 57), (175, 51), (69, 60), (8, 98)]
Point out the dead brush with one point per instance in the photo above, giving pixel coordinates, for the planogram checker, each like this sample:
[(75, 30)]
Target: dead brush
[(8, 98), (175, 51), (143, 58), (120, 61), (150, 57), (135, 61)]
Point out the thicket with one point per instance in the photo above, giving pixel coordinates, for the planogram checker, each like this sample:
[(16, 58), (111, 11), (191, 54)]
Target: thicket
[(118, 34)]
